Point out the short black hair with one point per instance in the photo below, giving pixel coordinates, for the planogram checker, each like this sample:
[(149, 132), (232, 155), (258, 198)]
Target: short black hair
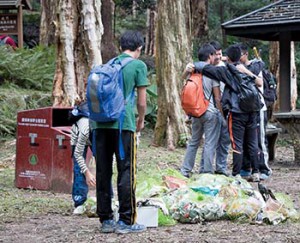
[(131, 40), (204, 52), (216, 45), (243, 47), (234, 53)]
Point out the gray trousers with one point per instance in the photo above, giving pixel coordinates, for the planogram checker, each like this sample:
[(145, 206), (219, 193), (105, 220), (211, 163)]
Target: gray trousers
[(222, 148), (209, 125)]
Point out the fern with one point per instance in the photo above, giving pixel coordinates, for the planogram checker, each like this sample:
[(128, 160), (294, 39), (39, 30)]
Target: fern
[(28, 68)]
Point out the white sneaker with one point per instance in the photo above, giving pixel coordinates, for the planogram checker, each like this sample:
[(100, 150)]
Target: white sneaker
[(79, 210)]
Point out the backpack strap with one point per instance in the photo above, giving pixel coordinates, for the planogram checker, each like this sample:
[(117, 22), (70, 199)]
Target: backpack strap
[(125, 61)]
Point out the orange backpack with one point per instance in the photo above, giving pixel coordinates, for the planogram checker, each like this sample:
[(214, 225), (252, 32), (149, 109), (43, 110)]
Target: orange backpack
[(193, 100)]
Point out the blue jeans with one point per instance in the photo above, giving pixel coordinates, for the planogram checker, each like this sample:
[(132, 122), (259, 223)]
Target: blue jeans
[(80, 188), (222, 147), (209, 124)]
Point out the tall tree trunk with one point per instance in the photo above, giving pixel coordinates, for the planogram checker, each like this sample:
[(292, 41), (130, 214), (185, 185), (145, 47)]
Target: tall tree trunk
[(134, 8), (78, 39), (150, 36), (47, 24), (294, 94), (199, 11), (274, 67), (173, 50), (221, 12), (108, 48)]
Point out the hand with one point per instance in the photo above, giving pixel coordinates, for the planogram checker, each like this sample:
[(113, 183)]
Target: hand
[(190, 67), (140, 124), (90, 179), (242, 68), (224, 58)]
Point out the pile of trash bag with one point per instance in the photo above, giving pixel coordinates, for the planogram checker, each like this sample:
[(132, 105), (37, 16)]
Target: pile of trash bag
[(207, 197)]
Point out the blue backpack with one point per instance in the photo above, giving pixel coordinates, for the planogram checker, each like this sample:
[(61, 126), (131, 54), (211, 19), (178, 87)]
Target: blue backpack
[(105, 94)]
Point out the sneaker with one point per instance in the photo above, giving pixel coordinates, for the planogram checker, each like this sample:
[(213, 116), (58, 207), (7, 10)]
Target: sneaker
[(221, 173), (79, 210), (246, 175), (255, 177), (108, 226), (187, 175), (264, 176), (123, 228)]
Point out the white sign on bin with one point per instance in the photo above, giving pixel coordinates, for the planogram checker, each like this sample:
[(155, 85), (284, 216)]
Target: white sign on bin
[(147, 216)]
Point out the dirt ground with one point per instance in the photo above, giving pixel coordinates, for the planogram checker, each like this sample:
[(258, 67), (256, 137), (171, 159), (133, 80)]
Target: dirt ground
[(55, 227)]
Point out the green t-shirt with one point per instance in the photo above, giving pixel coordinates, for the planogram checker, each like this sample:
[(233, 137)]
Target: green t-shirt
[(134, 75)]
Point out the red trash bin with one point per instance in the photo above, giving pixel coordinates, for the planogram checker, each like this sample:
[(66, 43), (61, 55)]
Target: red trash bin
[(43, 150)]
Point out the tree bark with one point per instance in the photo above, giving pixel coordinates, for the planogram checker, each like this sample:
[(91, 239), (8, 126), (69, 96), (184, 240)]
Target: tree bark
[(47, 24), (274, 67), (294, 94), (150, 36), (173, 50), (78, 39), (199, 20), (134, 8), (224, 36), (108, 47)]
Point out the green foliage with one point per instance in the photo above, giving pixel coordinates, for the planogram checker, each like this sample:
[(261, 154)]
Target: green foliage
[(151, 114), (165, 220), (126, 5), (14, 99), (223, 11), (28, 68), (31, 28), (125, 22)]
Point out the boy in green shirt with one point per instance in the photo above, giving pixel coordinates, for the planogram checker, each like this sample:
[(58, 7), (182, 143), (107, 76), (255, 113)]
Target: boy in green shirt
[(106, 144)]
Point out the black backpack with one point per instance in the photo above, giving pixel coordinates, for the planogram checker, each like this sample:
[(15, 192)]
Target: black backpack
[(270, 87), (247, 91), (249, 99)]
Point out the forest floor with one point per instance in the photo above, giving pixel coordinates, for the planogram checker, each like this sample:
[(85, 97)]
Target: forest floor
[(39, 216)]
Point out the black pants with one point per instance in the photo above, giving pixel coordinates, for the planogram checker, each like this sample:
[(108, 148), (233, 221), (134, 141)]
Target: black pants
[(262, 164), (243, 135), (105, 145)]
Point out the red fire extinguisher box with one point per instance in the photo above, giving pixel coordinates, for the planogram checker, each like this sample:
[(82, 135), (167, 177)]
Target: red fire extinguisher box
[(43, 150)]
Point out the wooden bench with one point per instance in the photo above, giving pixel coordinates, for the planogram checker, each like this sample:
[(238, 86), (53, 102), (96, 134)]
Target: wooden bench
[(272, 134)]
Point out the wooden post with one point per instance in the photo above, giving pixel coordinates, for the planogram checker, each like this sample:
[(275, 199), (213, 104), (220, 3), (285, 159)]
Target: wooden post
[(20, 26), (285, 72)]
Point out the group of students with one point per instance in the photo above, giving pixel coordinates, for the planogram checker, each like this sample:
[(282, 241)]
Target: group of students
[(104, 139), (224, 122)]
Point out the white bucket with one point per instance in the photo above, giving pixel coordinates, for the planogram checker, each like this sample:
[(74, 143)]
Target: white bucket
[(148, 216)]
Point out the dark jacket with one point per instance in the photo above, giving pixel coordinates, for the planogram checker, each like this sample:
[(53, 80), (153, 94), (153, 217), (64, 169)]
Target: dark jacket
[(230, 76), (256, 66)]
